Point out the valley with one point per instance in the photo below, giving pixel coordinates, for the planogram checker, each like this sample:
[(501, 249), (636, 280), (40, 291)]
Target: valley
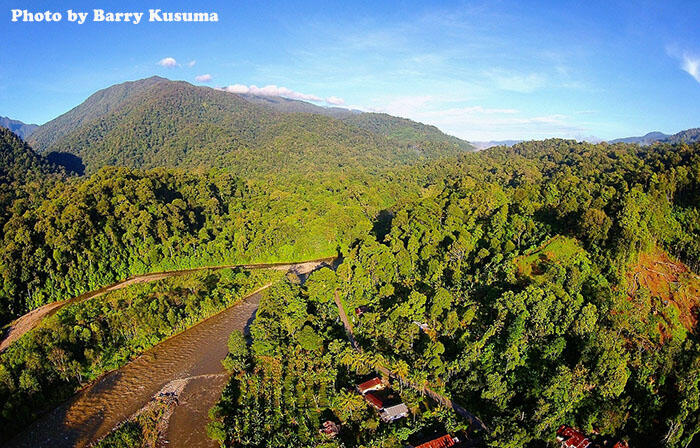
[(499, 296)]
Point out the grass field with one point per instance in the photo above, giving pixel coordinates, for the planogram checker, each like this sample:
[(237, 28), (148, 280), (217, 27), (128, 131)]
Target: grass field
[(560, 250)]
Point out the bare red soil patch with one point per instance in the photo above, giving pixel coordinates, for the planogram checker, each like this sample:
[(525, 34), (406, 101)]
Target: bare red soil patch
[(671, 282)]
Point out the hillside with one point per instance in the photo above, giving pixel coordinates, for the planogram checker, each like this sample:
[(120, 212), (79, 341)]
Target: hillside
[(647, 139), (156, 122), (17, 160), (400, 130), (405, 131), (23, 130), (687, 136)]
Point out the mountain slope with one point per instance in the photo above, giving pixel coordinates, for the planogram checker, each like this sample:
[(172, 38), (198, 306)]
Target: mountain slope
[(17, 160), (157, 122), (97, 105), (687, 136), (405, 131), (22, 130)]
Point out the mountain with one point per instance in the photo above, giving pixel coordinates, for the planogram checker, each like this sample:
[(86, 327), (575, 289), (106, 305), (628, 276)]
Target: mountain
[(17, 160), (157, 122), (395, 128), (647, 139), (22, 130), (687, 136), (404, 131)]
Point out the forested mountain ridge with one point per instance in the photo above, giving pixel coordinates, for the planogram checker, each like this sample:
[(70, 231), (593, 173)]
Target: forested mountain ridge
[(23, 130), (98, 104), (18, 161), (397, 129), (685, 136), (156, 122)]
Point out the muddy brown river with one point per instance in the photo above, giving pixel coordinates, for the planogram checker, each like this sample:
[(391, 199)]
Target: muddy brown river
[(196, 352), (189, 362)]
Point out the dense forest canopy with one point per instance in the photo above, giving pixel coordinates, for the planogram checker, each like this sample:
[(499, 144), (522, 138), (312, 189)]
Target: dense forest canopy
[(535, 286), (553, 282)]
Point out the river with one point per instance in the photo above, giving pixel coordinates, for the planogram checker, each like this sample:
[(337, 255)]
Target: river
[(192, 357)]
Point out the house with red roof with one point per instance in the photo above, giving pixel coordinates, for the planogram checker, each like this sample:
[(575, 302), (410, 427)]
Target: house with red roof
[(375, 383), (572, 438), (444, 441)]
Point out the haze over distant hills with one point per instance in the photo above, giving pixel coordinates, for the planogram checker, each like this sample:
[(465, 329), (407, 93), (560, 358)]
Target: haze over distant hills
[(492, 143), (157, 122), (23, 130)]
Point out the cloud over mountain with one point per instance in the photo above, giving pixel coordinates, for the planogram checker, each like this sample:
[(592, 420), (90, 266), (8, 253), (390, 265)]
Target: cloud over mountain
[(167, 62), (273, 90)]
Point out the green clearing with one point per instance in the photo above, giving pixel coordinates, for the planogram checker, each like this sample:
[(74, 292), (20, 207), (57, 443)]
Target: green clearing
[(560, 250)]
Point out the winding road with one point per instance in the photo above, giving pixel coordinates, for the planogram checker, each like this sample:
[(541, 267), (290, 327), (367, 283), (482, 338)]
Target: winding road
[(33, 318), (191, 358)]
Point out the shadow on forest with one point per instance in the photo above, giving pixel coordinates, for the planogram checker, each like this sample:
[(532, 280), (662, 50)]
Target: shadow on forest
[(72, 163), (382, 224)]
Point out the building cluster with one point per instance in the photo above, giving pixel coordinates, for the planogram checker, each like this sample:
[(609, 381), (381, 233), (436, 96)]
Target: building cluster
[(381, 398)]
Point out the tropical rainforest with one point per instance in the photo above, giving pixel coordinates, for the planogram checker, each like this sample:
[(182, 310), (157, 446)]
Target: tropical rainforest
[(553, 282)]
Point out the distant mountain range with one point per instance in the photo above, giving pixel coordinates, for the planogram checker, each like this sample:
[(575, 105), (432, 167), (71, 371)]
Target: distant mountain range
[(157, 122), (22, 130), (687, 136)]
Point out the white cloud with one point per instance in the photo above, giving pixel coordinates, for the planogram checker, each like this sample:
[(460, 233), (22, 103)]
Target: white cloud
[(334, 100), (203, 78), (236, 88), (690, 63), (272, 90), (692, 66), (167, 62), (191, 63)]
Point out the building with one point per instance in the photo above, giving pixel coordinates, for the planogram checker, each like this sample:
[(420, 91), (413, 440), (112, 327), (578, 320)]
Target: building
[(394, 412), (360, 310), (380, 399), (374, 400), (375, 383), (445, 441), (572, 438), (330, 429)]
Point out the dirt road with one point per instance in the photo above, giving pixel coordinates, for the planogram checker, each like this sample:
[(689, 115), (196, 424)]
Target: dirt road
[(33, 318)]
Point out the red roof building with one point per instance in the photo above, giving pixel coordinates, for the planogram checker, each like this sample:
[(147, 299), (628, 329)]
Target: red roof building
[(440, 442), (571, 438), (374, 400), (375, 383)]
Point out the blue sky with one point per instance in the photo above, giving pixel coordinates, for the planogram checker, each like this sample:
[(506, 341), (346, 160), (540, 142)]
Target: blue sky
[(479, 70)]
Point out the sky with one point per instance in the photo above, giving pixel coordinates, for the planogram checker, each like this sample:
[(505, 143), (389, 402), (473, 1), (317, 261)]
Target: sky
[(479, 70)]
